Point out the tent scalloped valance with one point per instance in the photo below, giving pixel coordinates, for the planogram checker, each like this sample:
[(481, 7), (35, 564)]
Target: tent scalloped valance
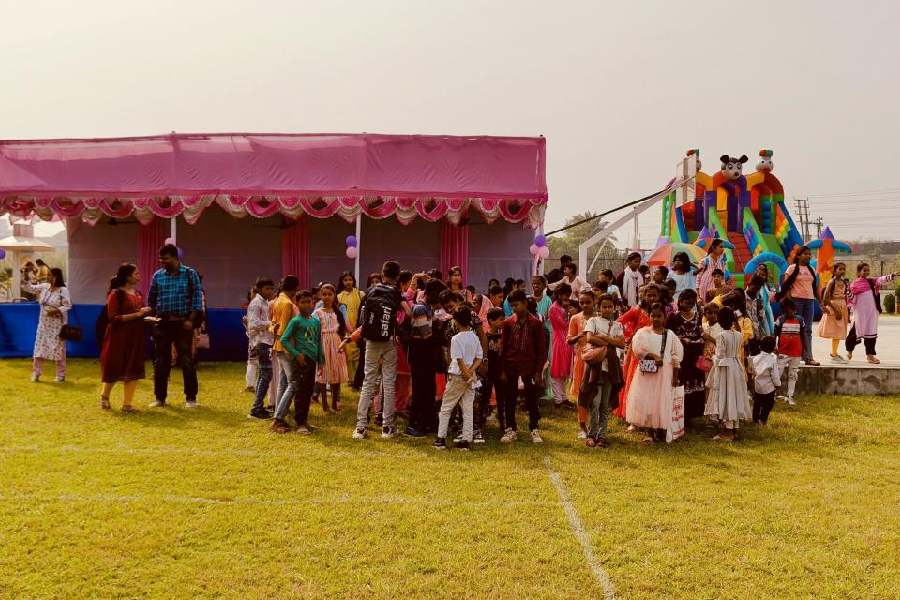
[(527, 211)]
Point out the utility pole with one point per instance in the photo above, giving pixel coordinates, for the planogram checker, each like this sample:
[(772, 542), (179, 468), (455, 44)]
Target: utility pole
[(819, 225), (803, 215)]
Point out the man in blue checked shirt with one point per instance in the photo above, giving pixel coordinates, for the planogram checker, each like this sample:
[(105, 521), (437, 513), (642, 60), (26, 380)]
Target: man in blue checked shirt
[(176, 299)]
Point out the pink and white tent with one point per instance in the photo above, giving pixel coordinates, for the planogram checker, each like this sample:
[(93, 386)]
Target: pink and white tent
[(454, 199)]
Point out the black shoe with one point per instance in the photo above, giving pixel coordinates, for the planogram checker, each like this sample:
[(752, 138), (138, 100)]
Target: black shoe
[(440, 444), (413, 432), (479, 437), (462, 446), (260, 413), (388, 432)]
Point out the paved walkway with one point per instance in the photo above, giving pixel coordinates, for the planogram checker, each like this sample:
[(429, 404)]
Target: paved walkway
[(888, 346)]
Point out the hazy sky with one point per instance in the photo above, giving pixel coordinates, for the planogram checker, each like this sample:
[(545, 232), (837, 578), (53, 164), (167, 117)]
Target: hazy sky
[(620, 89)]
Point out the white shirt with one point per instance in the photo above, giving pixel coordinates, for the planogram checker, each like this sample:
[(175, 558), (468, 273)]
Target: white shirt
[(577, 284), (258, 322), (766, 375), (601, 326), (631, 283), (464, 345)]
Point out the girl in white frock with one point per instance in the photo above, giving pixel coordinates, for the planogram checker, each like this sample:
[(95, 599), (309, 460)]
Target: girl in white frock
[(727, 383), (649, 403)]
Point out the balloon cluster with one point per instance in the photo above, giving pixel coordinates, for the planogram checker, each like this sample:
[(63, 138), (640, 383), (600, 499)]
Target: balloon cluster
[(177, 247), (539, 248), (352, 250)]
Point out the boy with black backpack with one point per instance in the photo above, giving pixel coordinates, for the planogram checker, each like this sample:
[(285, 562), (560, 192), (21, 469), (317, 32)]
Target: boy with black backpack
[(379, 324)]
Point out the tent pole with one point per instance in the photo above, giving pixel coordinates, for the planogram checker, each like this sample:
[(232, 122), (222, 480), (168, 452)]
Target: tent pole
[(173, 229), (356, 260)]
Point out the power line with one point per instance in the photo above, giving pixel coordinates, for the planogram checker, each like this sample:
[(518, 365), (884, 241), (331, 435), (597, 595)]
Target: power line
[(864, 193)]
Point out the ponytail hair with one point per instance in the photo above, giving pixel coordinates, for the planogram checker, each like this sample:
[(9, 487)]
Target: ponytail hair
[(124, 271)]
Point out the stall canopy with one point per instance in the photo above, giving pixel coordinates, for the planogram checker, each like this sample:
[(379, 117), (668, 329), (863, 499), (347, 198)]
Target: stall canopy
[(320, 175)]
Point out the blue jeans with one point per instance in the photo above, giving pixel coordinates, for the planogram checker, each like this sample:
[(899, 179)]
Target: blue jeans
[(264, 377), (806, 310)]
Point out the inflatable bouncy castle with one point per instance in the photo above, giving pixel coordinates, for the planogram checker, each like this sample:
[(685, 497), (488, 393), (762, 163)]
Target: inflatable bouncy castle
[(746, 210)]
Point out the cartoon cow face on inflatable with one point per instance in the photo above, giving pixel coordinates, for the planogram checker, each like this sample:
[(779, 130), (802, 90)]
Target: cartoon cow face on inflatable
[(765, 163), (731, 167)]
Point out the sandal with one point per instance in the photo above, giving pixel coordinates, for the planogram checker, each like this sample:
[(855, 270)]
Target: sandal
[(104, 403), (590, 442), (873, 359), (602, 443), (127, 408)]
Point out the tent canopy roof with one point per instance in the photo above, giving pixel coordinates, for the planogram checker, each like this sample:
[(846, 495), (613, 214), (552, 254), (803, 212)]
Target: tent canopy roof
[(229, 168)]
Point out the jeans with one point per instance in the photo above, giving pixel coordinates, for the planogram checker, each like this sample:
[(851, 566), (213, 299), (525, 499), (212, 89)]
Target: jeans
[(301, 379), (165, 334), (790, 365), (512, 395), (381, 359), (264, 370), (806, 309), (600, 411), (458, 391), (489, 384)]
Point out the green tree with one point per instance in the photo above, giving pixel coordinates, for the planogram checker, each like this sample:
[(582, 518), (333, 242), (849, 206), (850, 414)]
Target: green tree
[(567, 242)]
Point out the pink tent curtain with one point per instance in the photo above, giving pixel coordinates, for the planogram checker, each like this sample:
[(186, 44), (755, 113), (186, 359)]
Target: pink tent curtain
[(454, 248), (295, 251), (150, 240)]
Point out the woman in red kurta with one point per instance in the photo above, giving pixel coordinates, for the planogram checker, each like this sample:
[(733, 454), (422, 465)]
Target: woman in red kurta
[(122, 353), (635, 318)]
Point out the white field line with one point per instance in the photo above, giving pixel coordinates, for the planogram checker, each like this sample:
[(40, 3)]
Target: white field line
[(340, 499), (580, 533)]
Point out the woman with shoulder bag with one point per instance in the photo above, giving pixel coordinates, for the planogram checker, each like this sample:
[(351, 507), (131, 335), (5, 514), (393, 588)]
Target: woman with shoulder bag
[(799, 283), (55, 303)]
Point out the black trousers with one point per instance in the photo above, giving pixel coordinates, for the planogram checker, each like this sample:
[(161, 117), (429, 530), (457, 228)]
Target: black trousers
[(511, 397), (423, 410), (165, 334), (305, 380), (762, 406), (491, 383), (852, 341)]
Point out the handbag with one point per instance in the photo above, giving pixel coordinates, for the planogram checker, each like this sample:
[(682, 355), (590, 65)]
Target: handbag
[(647, 365), (71, 333), (595, 355), (203, 341), (704, 363), (676, 425)]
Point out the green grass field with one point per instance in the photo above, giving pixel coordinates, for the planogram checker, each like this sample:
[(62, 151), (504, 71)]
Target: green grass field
[(174, 503)]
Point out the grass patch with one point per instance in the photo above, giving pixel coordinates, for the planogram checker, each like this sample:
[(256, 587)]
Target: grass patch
[(207, 504)]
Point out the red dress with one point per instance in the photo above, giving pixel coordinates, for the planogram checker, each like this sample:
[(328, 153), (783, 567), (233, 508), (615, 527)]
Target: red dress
[(634, 318), (122, 356)]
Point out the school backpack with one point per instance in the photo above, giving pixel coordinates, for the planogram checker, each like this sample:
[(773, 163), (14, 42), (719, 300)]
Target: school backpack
[(380, 313)]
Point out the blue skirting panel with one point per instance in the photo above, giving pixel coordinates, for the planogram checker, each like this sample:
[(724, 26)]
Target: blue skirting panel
[(18, 323)]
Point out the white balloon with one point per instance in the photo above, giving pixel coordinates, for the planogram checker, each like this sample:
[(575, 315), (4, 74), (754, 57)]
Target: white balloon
[(544, 251), (534, 250), (351, 252)]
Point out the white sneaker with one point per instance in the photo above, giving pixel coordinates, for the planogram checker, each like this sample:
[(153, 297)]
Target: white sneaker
[(536, 437), (509, 436), (359, 434), (458, 439), (190, 404), (781, 398), (790, 401), (35, 378), (582, 435), (61, 379), (157, 404)]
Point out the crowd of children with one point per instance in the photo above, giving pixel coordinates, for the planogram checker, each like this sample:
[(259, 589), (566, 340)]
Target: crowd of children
[(663, 349)]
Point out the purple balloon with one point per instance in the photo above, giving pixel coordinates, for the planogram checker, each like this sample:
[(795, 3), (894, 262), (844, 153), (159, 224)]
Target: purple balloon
[(180, 254), (2, 253), (540, 240), (351, 241)]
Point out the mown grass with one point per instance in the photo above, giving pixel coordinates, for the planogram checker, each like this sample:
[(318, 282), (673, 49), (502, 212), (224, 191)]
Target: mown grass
[(175, 503)]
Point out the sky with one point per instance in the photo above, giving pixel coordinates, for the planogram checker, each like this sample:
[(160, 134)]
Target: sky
[(619, 89)]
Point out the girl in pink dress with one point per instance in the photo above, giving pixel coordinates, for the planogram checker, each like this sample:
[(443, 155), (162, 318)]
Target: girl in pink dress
[(560, 350), (334, 371), (715, 259)]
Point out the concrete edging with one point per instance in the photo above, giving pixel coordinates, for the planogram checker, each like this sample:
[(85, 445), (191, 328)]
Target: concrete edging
[(846, 380)]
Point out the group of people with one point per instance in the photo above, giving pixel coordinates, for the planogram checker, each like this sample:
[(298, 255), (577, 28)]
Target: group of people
[(659, 347)]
